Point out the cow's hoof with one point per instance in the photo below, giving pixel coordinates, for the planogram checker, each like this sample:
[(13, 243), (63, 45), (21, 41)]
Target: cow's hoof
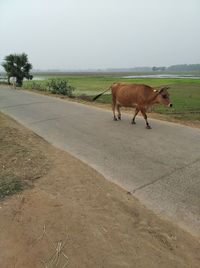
[(119, 117), (115, 119), (148, 127), (133, 122)]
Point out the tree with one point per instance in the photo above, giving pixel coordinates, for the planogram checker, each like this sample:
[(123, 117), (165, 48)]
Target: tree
[(17, 65)]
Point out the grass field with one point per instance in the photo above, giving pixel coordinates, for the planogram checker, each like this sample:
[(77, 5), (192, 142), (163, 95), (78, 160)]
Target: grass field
[(184, 92)]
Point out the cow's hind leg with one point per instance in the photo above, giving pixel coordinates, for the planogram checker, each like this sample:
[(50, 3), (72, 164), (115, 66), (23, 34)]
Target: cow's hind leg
[(119, 113), (113, 108), (143, 111), (136, 112)]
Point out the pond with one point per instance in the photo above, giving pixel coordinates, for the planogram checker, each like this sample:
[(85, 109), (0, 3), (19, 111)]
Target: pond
[(163, 76)]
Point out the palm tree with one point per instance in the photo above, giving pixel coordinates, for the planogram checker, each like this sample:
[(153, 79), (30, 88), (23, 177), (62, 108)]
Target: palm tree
[(17, 65)]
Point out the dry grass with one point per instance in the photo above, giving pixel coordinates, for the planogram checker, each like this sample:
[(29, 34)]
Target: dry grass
[(20, 162), (57, 257)]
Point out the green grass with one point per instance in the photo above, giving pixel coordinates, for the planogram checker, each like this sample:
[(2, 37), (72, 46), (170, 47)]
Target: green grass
[(10, 184), (184, 92)]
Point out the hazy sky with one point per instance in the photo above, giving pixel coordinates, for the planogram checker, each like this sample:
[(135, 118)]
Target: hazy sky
[(82, 34)]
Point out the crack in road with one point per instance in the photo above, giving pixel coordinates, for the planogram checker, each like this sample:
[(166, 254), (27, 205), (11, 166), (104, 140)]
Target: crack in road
[(163, 177), (48, 119), (24, 104)]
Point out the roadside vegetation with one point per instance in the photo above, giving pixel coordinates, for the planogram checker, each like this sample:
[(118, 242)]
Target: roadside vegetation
[(184, 92)]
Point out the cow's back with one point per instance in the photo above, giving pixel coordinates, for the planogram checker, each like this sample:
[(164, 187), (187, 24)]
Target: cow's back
[(129, 95)]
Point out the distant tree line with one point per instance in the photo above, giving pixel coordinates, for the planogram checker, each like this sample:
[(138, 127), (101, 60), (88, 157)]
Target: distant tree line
[(184, 67), (178, 68)]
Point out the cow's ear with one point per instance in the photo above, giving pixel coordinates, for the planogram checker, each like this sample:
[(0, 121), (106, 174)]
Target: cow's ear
[(163, 89)]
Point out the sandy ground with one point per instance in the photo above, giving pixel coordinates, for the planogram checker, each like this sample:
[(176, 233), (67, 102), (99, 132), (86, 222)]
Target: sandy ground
[(71, 216)]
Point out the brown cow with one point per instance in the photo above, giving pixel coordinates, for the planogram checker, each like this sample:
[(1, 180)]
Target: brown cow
[(138, 96)]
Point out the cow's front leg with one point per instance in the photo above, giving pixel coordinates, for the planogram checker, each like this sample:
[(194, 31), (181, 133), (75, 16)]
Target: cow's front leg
[(143, 111)]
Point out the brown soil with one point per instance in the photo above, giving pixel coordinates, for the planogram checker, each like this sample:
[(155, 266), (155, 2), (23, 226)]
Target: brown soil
[(72, 215)]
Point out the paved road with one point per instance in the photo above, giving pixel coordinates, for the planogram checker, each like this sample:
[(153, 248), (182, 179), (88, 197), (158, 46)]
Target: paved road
[(160, 166)]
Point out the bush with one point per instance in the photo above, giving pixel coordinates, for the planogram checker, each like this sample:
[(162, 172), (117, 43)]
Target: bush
[(60, 86)]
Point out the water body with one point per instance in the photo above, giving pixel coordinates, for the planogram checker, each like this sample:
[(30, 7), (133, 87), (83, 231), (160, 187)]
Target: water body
[(162, 76)]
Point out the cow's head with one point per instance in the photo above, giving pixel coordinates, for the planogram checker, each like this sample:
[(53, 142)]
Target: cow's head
[(163, 97)]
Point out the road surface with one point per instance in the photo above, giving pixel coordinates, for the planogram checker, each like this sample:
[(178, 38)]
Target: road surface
[(161, 166)]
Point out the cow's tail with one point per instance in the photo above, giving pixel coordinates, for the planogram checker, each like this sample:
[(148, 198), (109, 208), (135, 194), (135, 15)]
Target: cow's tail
[(99, 95)]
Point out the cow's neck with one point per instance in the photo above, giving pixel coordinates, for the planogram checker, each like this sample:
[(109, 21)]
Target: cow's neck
[(153, 98)]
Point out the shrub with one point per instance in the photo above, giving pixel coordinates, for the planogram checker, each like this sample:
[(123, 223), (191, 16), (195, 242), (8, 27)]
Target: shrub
[(60, 86)]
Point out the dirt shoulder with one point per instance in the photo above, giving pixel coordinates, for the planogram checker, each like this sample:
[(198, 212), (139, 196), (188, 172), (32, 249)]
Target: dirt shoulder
[(70, 214)]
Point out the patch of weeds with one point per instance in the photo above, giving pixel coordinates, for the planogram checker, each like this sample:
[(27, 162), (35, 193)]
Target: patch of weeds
[(10, 184)]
